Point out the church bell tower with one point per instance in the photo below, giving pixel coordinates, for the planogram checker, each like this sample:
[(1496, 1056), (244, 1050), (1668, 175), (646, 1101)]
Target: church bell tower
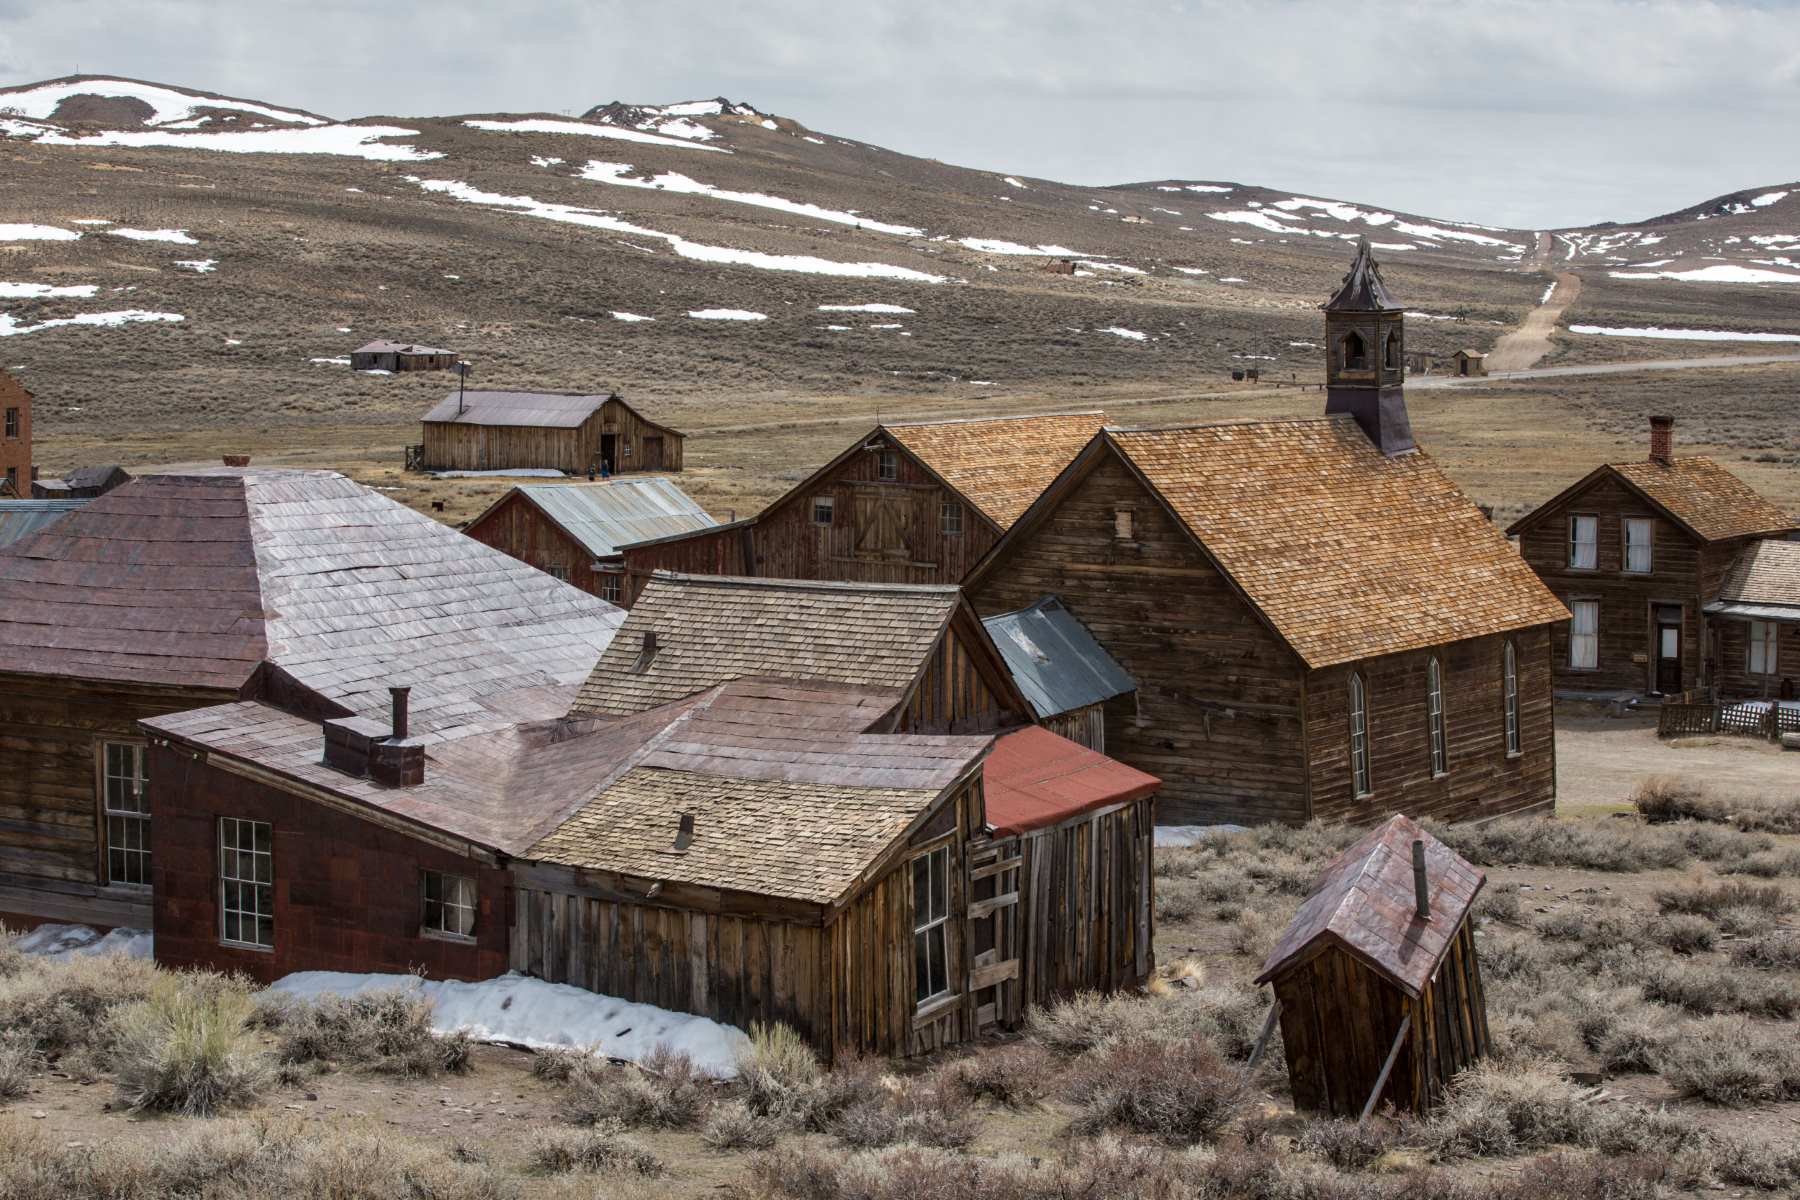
[(1365, 356)]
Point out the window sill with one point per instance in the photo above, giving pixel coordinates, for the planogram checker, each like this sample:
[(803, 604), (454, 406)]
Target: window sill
[(246, 946), (936, 1006), (443, 935), (1515, 754), (1439, 775)]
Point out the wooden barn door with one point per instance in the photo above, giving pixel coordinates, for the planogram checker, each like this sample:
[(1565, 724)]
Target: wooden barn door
[(653, 454), (992, 933), (883, 522)]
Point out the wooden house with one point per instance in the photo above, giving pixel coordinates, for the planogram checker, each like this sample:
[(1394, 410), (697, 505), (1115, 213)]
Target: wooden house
[(575, 531), (179, 591), (909, 502), (1470, 362), (384, 355), (83, 483), (1637, 550), (15, 439), (1320, 624), (1753, 625), (570, 432), (1376, 981), (1068, 677)]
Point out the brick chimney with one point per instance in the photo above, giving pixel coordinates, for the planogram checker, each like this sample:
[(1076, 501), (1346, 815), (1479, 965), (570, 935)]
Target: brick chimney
[(1662, 440)]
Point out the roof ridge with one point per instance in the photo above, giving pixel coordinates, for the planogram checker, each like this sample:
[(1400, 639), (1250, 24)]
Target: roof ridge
[(1077, 412), (1228, 424), (808, 585)]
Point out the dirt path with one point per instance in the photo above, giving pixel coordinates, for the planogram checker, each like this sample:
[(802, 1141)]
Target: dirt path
[(1600, 760), (1530, 342), (1622, 368)]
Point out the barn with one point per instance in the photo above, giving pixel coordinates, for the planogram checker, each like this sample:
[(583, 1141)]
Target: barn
[(384, 355), (562, 431)]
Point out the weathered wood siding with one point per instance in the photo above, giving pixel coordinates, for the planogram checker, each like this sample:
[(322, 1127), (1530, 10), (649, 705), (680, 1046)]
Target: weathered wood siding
[(638, 445), (1627, 601), (1482, 779), (347, 890), (1217, 712), (519, 528), (1730, 648), (960, 690), (1083, 726), (641, 444), (724, 550)]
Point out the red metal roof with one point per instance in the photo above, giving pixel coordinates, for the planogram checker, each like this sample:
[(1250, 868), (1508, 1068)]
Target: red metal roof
[(1034, 779)]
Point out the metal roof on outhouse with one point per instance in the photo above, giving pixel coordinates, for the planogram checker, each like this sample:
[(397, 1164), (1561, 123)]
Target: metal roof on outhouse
[(1054, 659), (22, 518), (619, 512)]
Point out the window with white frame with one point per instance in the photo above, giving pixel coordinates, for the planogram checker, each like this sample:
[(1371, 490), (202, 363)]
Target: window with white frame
[(1584, 543), (1359, 736), (449, 903), (821, 512), (931, 924), (952, 517), (558, 571), (1434, 714), (125, 801), (1510, 672), (1584, 634), (889, 465), (1638, 545), (606, 584), (12, 422), (1762, 647), (246, 883)]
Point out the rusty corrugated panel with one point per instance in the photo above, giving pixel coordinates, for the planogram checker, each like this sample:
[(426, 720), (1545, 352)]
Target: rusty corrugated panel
[(1034, 779)]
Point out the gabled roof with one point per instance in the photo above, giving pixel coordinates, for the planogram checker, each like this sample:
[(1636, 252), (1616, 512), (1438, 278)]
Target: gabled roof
[(384, 346), (1364, 903), (1694, 492), (1034, 779), (999, 464), (1055, 660), (199, 579), (712, 629), (1763, 583), (534, 410), (602, 517), (1345, 552), (84, 478), (1363, 289), (22, 518)]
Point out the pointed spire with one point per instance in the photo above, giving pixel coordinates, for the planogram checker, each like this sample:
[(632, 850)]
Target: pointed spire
[(1363, 289)]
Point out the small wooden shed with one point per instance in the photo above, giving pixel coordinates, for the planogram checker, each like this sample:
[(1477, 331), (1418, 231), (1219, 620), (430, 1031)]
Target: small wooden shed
[(1376, 981), (1470, 362), (384, 355)]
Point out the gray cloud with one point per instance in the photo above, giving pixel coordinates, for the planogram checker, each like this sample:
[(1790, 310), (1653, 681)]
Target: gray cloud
[(1516, 111)]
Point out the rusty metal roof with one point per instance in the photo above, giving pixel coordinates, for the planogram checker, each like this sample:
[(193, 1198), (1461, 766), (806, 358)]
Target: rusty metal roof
[(1034, 779), (22, 518), (535, 410), (1364, 904), (605, 516), (1055, 660)]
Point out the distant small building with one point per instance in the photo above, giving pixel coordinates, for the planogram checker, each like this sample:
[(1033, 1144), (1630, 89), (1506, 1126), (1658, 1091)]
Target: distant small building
[(83, 483), (15, 438), (1419, 362), (1470, 362), (1060, 266), (383, 355), (563, 431), (1068, 677), (575, 531)]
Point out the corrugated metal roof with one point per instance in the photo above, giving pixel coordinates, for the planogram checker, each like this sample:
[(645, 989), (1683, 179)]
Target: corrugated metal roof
[(1034, 779), (605, 516), (537, 410), (22, 518), (1054, 659)]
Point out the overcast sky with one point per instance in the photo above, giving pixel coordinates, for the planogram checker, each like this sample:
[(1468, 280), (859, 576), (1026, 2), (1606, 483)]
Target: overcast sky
[(1511, 112)]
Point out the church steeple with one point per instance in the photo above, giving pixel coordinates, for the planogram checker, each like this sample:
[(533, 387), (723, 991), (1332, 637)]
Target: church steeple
[(1365, 355)]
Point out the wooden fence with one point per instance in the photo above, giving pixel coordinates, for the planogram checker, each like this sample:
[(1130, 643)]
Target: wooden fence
[(1748, 718)]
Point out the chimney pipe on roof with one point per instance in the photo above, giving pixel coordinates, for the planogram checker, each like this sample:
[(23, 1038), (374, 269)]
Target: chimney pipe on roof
[(1421, 892), (1662, 440), (399, 695)]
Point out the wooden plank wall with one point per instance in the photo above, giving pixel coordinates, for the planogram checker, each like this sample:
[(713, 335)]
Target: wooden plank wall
[(622, 421), (518, 528), (1482, 780), (15, 452), (956, 693), (706, 552), (459, 447), (1083, 726), (1450, 1028), (1217, 713), (1731, 651), (1085, 904)]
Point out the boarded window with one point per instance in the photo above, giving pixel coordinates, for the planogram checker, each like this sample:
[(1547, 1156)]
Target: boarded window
[(931, 921), (1510, 669), (952, 517), (1359, 737), (1762, 647), (246, 883), (449, 903), (890, 465), (126, 803), (1434, 714), (1122, 524), (1584, 543), (1638, 541), (1584, 635), (822, 506)]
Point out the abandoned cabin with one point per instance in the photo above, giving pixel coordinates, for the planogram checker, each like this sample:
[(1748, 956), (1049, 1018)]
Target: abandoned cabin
[(909, 502), (575, 531), (83, 483), (383, 355), (1754, 624), (1319, 623), (570, 432), (1470, 362), (1377, 986), (1638, 551), (179, 591), (15, 439), (1066, 675)]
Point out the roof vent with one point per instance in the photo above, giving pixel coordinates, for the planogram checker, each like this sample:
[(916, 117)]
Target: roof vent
[(647, 655), (1421, 890), (367, 749), (684, 832)]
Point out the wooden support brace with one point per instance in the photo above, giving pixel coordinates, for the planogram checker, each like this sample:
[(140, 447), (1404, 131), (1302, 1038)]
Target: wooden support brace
[(1262, 1039), (1386, 1067)]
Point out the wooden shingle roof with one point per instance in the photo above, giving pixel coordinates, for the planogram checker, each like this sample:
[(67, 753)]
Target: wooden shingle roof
[(1364, 903), (1765, 576), (712, 629), (1347, 553), (1709, 500), (1001, 464)]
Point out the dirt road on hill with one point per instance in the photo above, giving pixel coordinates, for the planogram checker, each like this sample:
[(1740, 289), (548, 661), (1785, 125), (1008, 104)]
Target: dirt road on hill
[(1530, 342), (1623, 368)]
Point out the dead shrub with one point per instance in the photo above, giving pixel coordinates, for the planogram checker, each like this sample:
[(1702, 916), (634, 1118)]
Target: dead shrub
[(1708, 900), (1348, 1144), (1547, 842), (914, 1112), (1177, 900), (1013, 1076), (1767, 864), (1684, 933), (1496, 1110), (1181, 1093), (663, 1092), (387, 1032), (187, 1048), (591, 1151), (1228, 1015), (556, 1064), (1778, 951), (1762, 1165), (1500, 903), (1589, 1177), (1707, 988), (1665, 798), (19, 1061), (1634, 1044), (61, 1005), (1731, 1062), (778, 1073), (734, 1127)]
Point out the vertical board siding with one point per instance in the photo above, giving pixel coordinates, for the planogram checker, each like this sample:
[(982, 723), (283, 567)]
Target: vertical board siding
[(519, 529), (456, 446)]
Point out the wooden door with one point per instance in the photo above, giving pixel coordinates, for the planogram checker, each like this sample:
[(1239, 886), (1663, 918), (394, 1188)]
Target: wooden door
[(1668, 651), (883, 523), (653, 454)]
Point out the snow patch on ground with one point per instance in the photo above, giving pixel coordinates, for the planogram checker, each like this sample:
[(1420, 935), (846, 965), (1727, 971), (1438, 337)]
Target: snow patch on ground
[(590, 129), (1192, 271), (996, 246), (1128, 334), (350, 141), (1011, 182), (516, 1009), (727, 314), (180, 237), (1684, 335), (342, 360), (46, 291), (629, 317), (199, 266), (1768, 198), (36, 233), (1121, 268), (79, 941), (1722, 273), (1548, 292), (41, 102), (619, 174), (868, 308), (10, 327)]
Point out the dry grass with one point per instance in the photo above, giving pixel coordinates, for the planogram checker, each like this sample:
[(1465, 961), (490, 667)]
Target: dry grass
[(662, 1092), (386, 1032), (188, 1047), (1665, 798), (601, 1149), (1180, 1092)]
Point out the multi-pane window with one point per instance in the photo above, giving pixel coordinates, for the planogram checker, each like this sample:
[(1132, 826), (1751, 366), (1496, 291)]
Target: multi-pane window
[(1638, 539), (1434, 713), (1511, 672), (246, 883), (890, 465), (931, 924), (822, 506), (606, 583), (1359, 736), (12, 422), (558, 571), (126, 804), (1584, 635), (1762, 647), (952, 517), (449, 903), (1584, 543)]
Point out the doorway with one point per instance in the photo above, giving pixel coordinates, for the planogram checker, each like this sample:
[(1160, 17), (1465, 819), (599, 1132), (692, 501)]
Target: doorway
[(609, 453), (1667, 655)]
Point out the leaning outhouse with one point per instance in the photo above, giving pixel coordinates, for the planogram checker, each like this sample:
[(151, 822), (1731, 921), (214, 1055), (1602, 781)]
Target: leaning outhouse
[(1376, 983)]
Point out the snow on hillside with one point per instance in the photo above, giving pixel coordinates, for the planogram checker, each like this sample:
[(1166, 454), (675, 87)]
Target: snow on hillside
[(46, 291), (620, 174), (10, 326), (170, 108), (352, 141), (589, 129), (1717, 273), (1684, 335), (36, 233)]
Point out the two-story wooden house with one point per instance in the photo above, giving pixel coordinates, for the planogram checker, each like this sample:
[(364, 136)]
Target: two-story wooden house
[(1636, 550)]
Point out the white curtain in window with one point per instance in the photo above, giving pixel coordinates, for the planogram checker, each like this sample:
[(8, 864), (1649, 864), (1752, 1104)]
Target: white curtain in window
[(1762, 647), (1584, 635), (1637, 545), (1584, 543)]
